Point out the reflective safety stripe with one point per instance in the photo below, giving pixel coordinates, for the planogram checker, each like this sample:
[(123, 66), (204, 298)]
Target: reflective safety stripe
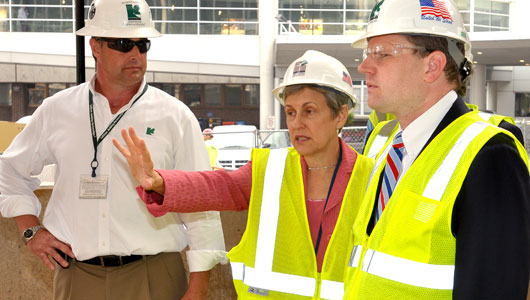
[(355, 256), (377, 145), (273, 281), (261, 276), (238, 270), (378, 163), (408, 271), (381, 138), (332, 290), (270, 209), (485, 116), (439, 181)]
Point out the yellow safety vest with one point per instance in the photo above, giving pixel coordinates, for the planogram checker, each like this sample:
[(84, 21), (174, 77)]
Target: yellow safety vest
[(212, 154), (489, 117), (275, 256), (379, 137), (384, 130), (410, 253)]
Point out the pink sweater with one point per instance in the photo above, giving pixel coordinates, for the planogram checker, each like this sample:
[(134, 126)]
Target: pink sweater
[(221, 190)]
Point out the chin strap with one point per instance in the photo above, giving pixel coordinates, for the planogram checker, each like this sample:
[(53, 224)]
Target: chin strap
[(464, 65)]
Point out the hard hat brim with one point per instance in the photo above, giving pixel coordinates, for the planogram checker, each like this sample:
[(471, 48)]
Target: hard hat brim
[(145, 32)]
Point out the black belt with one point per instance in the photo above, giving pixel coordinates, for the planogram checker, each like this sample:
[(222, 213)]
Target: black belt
[(105, 261), (111, 260)]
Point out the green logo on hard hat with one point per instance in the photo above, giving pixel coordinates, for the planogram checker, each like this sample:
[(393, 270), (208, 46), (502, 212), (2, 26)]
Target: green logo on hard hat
[(133, 12), (375, 11)]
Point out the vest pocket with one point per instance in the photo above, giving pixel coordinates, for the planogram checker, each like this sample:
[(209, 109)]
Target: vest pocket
[(409, 226)]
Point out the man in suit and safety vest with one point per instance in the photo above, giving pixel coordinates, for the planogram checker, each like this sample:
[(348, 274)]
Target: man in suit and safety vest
[(441, 218)]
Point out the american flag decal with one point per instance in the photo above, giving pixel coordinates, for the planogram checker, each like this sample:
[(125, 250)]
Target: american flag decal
[(346, 78), (299, 68), (435, 8)]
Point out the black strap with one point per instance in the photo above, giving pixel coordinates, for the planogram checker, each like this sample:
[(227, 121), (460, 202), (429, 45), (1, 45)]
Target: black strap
[(95, 141), (327, 198)]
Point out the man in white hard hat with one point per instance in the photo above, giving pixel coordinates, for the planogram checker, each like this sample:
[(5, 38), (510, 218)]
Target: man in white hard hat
[(446, 214), (105, 243)]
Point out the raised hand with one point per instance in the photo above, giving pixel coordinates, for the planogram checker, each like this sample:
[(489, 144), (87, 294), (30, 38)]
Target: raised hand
[(139, 161)]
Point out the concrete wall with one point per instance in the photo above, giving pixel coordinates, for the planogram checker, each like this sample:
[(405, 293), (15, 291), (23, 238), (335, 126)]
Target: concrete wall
[(520, 83), (25, 276)]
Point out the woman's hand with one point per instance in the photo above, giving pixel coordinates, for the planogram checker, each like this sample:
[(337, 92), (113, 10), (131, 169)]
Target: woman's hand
[(139, 161)]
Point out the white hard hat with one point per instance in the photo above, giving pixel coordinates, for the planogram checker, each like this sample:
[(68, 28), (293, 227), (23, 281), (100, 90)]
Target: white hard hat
[(414, 17), (119, 19), (317, 68)]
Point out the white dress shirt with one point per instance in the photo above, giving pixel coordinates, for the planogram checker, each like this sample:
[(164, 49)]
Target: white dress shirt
[(59, 133), (416, 135)]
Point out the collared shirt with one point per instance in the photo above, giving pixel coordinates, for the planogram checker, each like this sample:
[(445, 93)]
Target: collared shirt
[(416, 135), (59, 133)]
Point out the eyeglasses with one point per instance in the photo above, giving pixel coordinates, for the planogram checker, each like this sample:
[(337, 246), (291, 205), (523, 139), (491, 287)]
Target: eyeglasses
[(379, 52), (126, 45)]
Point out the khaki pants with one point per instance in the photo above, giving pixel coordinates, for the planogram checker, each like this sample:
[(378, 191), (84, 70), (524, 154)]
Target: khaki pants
[(157, 277)]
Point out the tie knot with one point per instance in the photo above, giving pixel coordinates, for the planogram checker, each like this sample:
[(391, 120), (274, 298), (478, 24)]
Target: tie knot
[(398, 141)]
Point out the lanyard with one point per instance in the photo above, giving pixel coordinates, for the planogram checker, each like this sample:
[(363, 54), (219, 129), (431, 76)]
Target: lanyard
[(95, 141), (327, 198)]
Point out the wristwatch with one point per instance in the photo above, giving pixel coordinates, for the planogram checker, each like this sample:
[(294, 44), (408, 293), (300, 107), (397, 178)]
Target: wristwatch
[(30, 233)]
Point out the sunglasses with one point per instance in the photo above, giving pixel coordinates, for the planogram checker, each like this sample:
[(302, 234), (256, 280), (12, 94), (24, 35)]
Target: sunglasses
[(126, 45)]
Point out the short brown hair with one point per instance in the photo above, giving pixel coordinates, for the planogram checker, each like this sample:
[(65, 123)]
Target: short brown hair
[(451, 70)]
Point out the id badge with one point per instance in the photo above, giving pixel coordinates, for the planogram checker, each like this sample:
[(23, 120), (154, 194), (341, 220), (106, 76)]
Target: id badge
[(93, 187)]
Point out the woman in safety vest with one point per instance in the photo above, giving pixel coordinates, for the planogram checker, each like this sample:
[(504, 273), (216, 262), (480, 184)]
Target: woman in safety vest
[(302, 201)]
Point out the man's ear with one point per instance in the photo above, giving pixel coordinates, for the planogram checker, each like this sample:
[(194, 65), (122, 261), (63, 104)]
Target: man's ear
[(95, 46), (434, 66)]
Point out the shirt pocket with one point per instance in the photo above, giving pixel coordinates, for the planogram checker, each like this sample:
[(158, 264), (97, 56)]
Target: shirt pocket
[(160, 149)]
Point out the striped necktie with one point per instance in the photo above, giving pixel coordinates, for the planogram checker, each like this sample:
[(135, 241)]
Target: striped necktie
[(391, 175)]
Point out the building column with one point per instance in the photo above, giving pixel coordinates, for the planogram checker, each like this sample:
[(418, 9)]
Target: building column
[(477, 91), (491, 103), (18, 101), (267, 32), (277, 108)]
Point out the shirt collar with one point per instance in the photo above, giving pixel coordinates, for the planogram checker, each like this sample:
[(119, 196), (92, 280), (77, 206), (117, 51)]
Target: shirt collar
[(92, 87), (418, 132)]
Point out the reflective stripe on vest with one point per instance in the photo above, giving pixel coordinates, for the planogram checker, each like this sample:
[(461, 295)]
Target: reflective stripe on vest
[(355, 256), (378, 163), (378, 144), (439, 181), (484, 115), (280, 282), (332, 290), (262, 276), (270, 209), (408, 271)]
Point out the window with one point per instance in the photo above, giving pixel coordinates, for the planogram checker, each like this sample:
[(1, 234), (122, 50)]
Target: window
[(233, 95), (522, 104), (191, 94), (251, 95), (5, 94), (212, 94), (37, 92)]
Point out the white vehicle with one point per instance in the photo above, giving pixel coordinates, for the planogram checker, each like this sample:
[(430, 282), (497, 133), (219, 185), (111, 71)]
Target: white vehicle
[(234, 144)]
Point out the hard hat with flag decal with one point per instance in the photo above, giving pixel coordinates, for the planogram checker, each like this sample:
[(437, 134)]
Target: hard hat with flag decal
[(119, 19), (420, 17), (320, 69)]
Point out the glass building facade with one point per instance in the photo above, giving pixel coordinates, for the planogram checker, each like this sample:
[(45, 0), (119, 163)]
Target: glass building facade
[(239, 17)]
